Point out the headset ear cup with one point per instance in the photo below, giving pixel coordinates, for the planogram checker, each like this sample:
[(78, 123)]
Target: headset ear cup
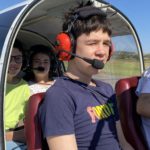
[(63, 42), (111, 51)]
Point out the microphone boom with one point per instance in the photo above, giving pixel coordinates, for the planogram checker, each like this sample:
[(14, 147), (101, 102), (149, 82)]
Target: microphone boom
[(97, 64)]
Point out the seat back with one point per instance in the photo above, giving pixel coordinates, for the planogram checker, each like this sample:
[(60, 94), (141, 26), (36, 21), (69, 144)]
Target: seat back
[(130, 120), (33, 130)]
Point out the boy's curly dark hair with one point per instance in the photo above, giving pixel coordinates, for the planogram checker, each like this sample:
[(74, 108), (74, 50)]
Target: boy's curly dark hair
[(86, 25)]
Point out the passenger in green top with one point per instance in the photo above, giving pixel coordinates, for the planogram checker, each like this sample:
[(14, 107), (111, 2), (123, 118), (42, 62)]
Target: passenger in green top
[(17, 95)]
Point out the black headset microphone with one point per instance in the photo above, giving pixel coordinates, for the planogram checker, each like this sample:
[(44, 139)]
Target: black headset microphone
[(97, 64), (40, 69)]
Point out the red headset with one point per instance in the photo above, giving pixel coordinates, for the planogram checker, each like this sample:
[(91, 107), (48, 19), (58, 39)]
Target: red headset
[(65, 41)]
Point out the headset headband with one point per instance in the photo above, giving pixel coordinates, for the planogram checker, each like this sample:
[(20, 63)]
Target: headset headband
[(84, 13), (89, 11)]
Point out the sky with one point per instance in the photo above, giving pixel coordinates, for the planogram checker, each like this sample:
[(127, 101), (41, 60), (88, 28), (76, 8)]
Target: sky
[(136, 12)]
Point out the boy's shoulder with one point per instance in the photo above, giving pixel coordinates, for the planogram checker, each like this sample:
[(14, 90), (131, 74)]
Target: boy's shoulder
[(102, 84), (61, 84)]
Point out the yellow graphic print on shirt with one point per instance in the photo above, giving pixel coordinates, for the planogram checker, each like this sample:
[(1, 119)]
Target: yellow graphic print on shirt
[(100, 111)]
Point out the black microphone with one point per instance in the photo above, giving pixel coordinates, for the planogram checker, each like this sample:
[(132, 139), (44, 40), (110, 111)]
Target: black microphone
[(97, 64), (40, 69)]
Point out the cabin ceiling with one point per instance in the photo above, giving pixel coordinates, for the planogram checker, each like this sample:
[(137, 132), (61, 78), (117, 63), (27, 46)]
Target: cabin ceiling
[(46, 19), (49, 16)]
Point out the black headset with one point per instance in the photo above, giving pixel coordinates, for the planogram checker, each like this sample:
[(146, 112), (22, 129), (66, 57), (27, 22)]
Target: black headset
[(65, 40)]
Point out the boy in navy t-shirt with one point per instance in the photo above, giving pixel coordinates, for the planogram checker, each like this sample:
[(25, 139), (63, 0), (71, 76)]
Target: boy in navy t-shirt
[(79, 112)]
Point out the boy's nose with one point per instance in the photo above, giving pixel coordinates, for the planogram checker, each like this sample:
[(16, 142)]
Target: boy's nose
[(100, 51)]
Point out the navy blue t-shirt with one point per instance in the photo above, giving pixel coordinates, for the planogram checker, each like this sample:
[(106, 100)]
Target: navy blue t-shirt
[(72, 107)]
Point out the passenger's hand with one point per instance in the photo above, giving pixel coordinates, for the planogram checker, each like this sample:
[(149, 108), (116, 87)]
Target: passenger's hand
[(9, 135), (17, 136)]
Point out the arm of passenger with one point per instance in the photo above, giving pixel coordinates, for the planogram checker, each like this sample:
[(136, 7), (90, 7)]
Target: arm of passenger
[(66, 142), (123, 142), (143, 105)]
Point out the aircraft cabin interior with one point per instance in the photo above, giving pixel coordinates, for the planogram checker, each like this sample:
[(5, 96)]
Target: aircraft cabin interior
[(38, 22)]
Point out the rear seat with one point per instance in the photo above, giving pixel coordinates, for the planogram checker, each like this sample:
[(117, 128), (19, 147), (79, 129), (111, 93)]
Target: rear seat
[(33, 132)]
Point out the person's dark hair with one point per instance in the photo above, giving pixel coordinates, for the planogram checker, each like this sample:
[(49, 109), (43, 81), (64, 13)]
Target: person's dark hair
[(34, 50), (86, 25), (18, 44)]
